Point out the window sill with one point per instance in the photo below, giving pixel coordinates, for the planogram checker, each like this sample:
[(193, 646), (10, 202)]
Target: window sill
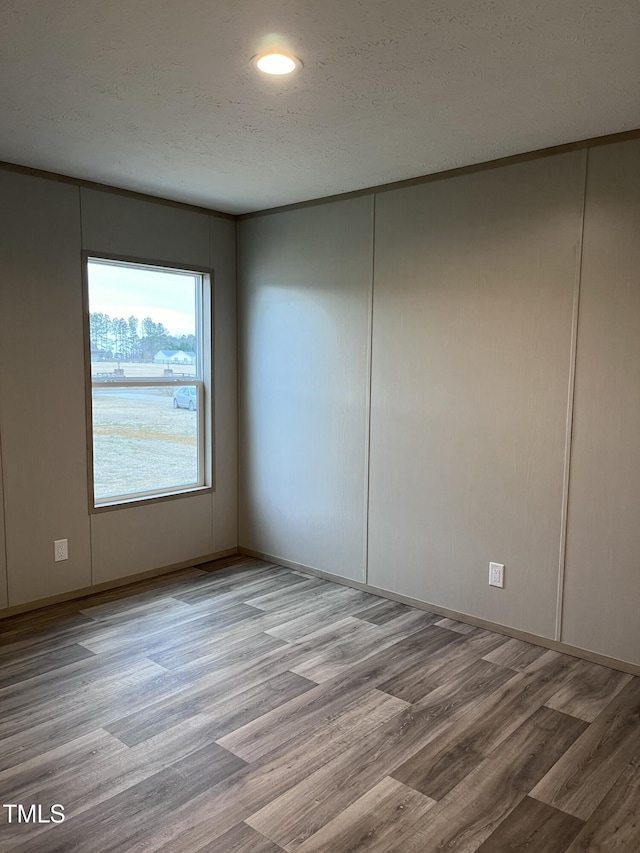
[(152, 499)]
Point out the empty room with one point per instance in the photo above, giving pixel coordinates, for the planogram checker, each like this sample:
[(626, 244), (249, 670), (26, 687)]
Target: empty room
[(319, 427)]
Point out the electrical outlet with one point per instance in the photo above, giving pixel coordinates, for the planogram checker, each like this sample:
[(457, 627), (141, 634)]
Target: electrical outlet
[(496, 575), (60, 550)]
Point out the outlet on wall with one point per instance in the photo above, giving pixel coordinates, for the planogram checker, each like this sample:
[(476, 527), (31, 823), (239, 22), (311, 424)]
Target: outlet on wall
[(60, 550), (496, 575)]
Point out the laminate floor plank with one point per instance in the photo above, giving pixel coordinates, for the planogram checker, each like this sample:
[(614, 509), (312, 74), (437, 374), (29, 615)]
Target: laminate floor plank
[(588, 691), (121, 605), (109, 771), (263, 580), (227, 713), (293, 719), (148, 634), (252, 576), (445, 656), (454, 625), (324, 609), (66, 687), (240, 642), (372, 822), (185, 643), (585, 773), (120, 598), (243, 707), (197, 642), (384, 610), (232, 669), (545, 735), (21, 645), (305, 808), (143, 612), (211, 815), (534, 827), (47, 662), (201, 685), (133, 607), (472, 811), (614, 826), (279, 599), (515, 655), (129, 816), (50, 620), (33, 777), (367, 638), (65, 720), (306, 712), (57, 617), (177, 609), (240, 839), (446, 760)]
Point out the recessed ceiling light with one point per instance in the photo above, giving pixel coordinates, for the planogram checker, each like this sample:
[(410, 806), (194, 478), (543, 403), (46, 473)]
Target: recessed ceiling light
[(276, 63)]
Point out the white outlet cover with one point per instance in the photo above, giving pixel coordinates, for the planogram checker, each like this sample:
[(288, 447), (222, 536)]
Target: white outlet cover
[(496, 575), (60, 550)]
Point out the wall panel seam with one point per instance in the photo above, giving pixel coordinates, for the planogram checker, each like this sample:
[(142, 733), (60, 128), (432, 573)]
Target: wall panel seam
[(238, 378), (87, 345), (213, 433), (3, 507), (4, 514), (367, 473), (562, 556)]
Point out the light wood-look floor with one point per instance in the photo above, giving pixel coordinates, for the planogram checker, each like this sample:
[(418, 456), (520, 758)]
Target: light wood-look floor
[(252, 709)]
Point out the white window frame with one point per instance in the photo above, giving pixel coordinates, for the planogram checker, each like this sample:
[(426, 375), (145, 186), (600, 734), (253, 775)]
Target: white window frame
[(203, 382)]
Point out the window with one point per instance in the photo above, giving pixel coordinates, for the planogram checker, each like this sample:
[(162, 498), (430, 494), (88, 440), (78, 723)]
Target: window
[(150, 375)]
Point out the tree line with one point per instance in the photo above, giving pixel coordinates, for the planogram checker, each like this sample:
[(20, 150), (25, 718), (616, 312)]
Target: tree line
[(133, 339)]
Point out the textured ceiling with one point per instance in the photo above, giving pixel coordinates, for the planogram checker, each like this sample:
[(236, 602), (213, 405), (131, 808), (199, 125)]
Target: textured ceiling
[(158, 95)]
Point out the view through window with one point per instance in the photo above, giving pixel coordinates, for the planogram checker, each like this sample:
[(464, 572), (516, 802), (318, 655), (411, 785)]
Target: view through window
[(147, 341)]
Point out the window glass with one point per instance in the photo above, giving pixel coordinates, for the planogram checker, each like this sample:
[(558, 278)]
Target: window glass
[(146, 362)]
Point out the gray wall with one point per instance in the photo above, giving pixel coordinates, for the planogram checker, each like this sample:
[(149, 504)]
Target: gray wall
[(43, 413), (304, 320), (475, 305), (602, 585)]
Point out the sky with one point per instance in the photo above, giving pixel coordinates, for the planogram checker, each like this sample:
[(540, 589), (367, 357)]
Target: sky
[(164, 295)]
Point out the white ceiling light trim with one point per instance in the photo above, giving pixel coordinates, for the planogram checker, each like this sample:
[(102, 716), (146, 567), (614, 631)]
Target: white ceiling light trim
[(276, 63)]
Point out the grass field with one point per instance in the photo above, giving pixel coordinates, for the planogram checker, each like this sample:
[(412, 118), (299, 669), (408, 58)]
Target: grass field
[(141, 441)]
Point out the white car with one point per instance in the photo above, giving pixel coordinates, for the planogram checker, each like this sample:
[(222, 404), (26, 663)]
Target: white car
[(186, 398)]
